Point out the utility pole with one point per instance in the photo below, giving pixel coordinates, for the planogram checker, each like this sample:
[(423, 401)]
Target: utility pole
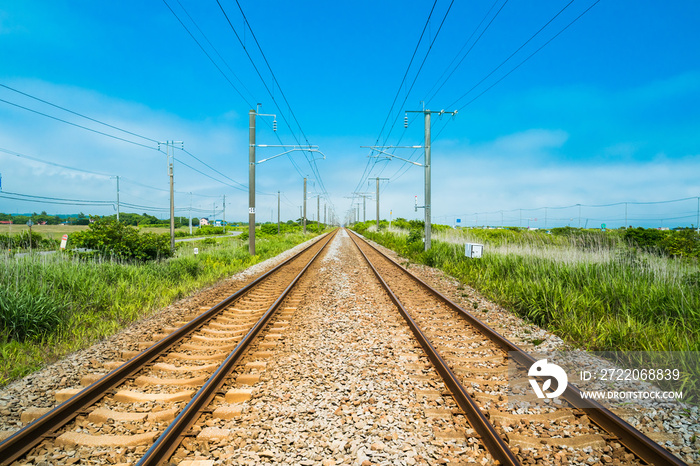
[(318, 213), (117, 177), (190, 214), (171, 157), (303, 217), (172, 205), (377, 197), (251, 182), (278, 212), (427, 164), (364, 197), (224, 220), (377, 205)]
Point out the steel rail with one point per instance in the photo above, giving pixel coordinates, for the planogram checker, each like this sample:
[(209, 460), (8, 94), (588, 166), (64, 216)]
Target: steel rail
[(28, 437), (498, 448), (168, 441), (644, 447)]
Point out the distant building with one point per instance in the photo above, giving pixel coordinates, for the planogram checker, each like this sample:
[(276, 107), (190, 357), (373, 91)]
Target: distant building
[(5, 222), (203, 221)]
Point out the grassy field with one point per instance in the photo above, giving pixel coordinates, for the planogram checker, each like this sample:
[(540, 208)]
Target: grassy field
[(593, 289), (49, 231), (51, 305)]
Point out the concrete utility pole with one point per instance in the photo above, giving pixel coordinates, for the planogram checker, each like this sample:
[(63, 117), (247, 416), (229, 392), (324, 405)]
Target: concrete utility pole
[(172, 206), (224, 219), (377, 204), (377, 196), (364, 197), (318, 213), (427, 206), (278, 212), (251, 182), (303, 217), (171, 157), (117, 197)]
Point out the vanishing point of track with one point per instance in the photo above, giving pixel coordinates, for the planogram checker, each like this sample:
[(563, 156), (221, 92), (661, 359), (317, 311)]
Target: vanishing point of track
[(180, 384)]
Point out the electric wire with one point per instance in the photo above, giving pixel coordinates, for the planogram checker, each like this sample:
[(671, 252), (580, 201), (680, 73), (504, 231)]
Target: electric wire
[(527, 58), (109, 135), (274, 78), (403, 80), (437, 135), (369, 166), (430, 48), (521, 47), (311, 161), (77, 114), (470, 48), (206, 53), (36, 159), (85, 202), (78, 126)]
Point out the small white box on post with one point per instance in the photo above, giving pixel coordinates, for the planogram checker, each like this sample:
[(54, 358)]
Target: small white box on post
[(473, 250)]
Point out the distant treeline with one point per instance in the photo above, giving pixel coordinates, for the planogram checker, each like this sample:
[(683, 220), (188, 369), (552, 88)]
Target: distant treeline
[(82, 219)]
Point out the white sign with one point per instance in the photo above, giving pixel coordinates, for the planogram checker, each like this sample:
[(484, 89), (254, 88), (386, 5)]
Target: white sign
[(474, 250), (64, 240), (196, 251), (251, 210)]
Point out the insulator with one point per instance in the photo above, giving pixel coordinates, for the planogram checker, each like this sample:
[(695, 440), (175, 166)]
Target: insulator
[(274, 125), (405, 121)]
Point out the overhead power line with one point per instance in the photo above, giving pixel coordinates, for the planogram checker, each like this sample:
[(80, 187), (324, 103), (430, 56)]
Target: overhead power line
[(309, 157), (520, 48), (207, 54), (403, 80), (239, 187), (78, 126), (519, 64), (77, 114), (469, 50)]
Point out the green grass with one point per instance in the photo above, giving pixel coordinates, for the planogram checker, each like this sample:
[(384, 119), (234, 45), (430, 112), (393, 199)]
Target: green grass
[(591, 290), (55, 304)]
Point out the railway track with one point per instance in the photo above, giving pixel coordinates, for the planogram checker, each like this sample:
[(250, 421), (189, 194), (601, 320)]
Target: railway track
[(143, 409), (351, 381), (472, 360)]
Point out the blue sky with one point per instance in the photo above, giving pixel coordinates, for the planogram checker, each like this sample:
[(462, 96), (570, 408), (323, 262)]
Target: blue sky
[(606, 113)]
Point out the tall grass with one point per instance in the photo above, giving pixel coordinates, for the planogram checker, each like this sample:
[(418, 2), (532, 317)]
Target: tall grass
[(51, 305), (597, 293)]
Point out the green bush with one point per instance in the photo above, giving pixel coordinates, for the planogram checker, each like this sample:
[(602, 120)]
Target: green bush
[(644, 237), (269, 228), (211, 230), (119, 240)]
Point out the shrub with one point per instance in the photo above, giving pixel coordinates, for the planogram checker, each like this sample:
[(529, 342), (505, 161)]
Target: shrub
[(211, 230), (269, 228), (117, 239)]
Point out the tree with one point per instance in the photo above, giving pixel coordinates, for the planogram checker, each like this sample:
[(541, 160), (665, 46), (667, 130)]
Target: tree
[(117, 239)]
